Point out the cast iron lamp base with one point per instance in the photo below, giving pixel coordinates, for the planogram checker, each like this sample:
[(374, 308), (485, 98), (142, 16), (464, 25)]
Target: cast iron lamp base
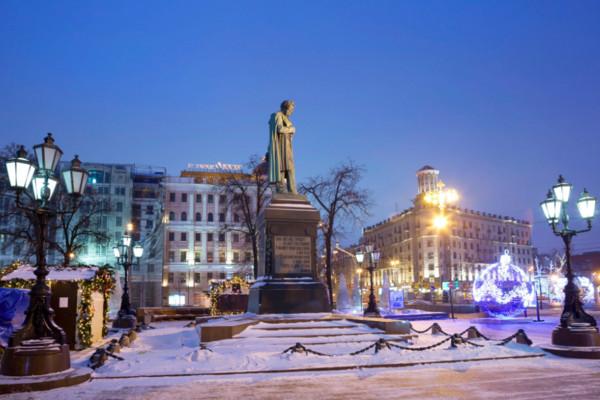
[(580, 340), (39, 364), (125, 321), (36, 357)]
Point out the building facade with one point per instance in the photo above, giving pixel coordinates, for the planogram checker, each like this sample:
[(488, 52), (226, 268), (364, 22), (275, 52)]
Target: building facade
[(204, 240), (415, 252), (147, 214)]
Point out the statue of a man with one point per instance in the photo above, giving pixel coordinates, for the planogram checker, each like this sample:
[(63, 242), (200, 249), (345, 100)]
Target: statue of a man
[(281, 158)]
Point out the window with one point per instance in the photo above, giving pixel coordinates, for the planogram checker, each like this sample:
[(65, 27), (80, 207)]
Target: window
[(183, 236), (247, 257), (171, 257), (198, 217), (235, 237), (171, 236), (118, 221), (171, 277), (149, 210), (184, 197), (221, 237), (222, 257), (236, 218), (236, 257), (184, 216), (247, 238), (221, 217), (197, 277), (176, 300), (149, 224), (210, 217), (198, 236), (210, 199), (171, 216), (209, 237), (222, 199), (150, 267), (209, 275), (221, 275), (183, 256), (119, 206), (198, 198), (171, 197), (209, 259), (197, 257)]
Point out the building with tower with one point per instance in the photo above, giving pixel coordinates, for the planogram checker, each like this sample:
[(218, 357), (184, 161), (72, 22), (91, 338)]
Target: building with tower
[(437, 241)]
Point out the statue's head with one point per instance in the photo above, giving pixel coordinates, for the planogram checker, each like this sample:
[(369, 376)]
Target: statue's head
[(287, 107)]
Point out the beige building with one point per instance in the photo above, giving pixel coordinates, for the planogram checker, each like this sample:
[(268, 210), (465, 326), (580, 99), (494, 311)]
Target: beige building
[(416, 251), (204, 239)]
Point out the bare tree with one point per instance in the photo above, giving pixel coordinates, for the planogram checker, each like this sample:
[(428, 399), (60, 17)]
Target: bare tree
[(77, 223), (248, 195), (340, 199)]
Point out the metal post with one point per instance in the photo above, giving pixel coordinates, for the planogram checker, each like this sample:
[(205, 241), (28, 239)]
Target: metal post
[(372, 307)]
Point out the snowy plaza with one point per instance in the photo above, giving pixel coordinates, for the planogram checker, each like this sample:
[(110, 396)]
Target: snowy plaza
[(168, 363)]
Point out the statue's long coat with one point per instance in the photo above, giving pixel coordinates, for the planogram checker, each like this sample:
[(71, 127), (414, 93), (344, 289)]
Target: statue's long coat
[(281, 157)]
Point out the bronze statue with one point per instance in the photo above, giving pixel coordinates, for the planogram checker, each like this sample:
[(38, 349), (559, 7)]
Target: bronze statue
[(281, 158)]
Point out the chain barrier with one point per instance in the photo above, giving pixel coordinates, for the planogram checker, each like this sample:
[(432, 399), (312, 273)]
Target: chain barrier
[(435, 328), (455, 340)]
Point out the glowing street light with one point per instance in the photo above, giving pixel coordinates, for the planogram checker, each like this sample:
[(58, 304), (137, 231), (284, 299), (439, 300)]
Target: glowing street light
[(577, 328), (40, 346), (124, 252)]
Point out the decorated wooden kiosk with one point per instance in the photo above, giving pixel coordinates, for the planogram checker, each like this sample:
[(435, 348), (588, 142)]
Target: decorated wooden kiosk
[(79, 299)]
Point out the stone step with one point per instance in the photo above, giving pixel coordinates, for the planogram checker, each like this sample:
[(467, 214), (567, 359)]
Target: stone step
[(315, 335), (275, 328)]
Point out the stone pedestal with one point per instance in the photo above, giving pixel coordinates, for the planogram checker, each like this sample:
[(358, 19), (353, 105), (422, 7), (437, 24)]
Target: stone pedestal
[(287, 269), (580, 340)]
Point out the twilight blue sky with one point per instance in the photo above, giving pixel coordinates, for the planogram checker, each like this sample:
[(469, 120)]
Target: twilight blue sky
[(500, 96)]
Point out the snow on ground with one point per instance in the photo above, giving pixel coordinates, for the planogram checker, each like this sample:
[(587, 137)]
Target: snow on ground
[(172, 349)]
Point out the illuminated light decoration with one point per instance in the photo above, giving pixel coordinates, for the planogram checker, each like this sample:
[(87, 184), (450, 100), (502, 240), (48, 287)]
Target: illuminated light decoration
[(556, 287), (217, 288), (103, 282), (502, 289)]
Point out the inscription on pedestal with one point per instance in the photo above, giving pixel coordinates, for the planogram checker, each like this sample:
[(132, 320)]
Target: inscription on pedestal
[(292, 254)]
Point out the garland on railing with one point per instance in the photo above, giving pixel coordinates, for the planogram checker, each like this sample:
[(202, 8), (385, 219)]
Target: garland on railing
[(102, 282), (217, 289)]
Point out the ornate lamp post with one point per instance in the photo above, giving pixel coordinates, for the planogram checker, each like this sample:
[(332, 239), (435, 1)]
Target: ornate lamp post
[(39, 347), (577, 328), (372, 310), (124, 252)]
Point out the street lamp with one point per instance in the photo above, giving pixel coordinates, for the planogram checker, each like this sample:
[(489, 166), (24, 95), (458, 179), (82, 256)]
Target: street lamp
[(39, 347), (125, 252), (441, 198), (373, 255), (577, 328)]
